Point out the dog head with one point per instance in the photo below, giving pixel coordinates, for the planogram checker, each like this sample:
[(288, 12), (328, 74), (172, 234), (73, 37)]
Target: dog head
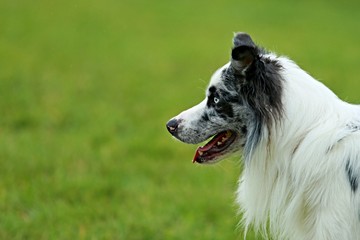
[(242, 99)]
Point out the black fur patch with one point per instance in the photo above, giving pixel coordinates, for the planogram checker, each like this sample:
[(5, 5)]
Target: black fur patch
[(223, 105), (260, 88), (244, 130), (205, 117), (224, 109), (212, 96), (212, 89), (353, 179)]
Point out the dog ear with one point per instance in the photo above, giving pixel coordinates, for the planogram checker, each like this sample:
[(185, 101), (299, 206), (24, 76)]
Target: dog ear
[(243, 52)]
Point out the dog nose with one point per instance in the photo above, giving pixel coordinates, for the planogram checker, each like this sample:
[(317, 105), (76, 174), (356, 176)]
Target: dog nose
[(172, 125)]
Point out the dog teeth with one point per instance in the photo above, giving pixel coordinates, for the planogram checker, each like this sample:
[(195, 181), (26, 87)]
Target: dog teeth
[(224, 138), (228, 134), (200, 153)]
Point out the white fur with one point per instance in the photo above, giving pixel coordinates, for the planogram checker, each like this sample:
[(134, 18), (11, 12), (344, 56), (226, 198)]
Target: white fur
[(294, 184)]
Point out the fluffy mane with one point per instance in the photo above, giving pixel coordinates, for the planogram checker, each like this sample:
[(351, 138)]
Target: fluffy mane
[(284, 183), (300, 142)]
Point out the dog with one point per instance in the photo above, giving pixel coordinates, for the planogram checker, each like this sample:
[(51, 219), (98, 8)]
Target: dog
[(300, 145)]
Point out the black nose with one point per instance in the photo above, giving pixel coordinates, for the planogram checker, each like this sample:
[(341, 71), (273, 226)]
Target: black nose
[(172, 126)]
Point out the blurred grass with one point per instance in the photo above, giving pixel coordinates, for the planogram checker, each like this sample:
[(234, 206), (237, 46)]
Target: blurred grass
[(87, 86)]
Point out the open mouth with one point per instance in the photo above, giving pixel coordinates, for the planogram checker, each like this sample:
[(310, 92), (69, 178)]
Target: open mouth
[(215, 148)]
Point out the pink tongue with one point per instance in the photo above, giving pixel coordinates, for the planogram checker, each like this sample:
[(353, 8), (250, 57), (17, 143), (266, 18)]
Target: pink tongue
[(209, 145)]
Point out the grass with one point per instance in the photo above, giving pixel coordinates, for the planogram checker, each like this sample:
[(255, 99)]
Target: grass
[(87, 86)]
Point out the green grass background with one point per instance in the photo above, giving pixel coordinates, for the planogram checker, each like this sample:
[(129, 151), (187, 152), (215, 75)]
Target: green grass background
[(87, 86)]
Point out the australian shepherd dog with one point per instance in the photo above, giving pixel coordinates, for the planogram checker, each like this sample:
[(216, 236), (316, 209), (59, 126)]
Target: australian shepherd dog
[(299, 142)]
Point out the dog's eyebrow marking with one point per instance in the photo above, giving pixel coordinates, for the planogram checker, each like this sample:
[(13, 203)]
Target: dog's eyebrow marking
[(212, 89), (353, 180)]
